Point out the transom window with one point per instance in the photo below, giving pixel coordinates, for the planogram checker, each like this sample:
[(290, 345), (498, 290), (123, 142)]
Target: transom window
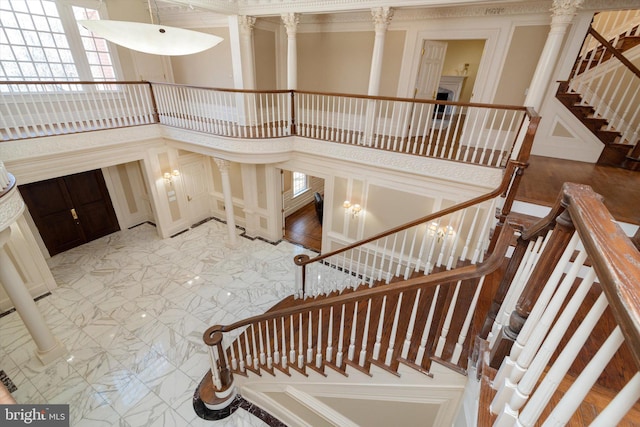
[(41, 40), (300, 183)]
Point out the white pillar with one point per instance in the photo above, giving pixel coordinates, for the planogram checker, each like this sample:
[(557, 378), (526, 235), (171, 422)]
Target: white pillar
[(223, 166), (381, 20), (245, 24), (290, 21), (48, 347), (250, 192), (563, 12)]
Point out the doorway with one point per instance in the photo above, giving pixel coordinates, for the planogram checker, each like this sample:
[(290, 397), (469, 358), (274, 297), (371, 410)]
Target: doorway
[(71, 210), (303, 209)]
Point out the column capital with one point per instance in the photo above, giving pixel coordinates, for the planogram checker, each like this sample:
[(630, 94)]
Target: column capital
[(290, 21), (223, 165), (563, 11), (246, 24), (381, 17)]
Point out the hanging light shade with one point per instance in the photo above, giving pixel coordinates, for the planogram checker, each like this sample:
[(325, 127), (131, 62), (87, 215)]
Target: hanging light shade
[(152, 38)]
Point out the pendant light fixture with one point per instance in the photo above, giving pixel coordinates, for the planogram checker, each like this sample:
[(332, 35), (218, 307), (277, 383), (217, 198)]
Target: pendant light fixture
[(152, 38)]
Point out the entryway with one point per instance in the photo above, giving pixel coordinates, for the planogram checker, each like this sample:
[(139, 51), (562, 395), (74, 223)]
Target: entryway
[(70, 210)]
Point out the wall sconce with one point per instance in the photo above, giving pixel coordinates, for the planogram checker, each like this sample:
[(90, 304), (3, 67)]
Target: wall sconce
[(354, 209), (440, 232), (168, 176)]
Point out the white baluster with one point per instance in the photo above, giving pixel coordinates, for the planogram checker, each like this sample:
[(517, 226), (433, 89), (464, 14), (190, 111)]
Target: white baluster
[(394, 330), (292, 351), (215, 373), (283, 361), (412, 322), (263, 357), (581, 386), (427, 328), (329, 352), (613, 413), (556, 373), (462, 337), (276, 349), (537, 366), (300, 346), (376, 346), (447, 321), (234, 360), (352, 340), (340, 339), (256, 357), (310, 339), (319, 342), (247, 349), (365, 336)]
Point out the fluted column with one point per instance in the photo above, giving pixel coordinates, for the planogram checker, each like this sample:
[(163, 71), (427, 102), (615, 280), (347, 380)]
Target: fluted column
[(245, 25), (12, 208), (381, 20), (563, 12), (223, 166), (290, 21)]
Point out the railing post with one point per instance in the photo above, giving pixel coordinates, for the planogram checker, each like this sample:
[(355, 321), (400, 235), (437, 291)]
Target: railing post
[(217, 390), (562, 233), (301, 274), (156, 116), (293, 112)]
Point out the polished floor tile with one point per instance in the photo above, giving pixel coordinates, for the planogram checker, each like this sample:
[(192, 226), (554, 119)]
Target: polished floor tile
[(131, 309)]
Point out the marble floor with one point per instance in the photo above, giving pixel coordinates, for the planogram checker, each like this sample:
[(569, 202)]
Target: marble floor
[(131, 309)]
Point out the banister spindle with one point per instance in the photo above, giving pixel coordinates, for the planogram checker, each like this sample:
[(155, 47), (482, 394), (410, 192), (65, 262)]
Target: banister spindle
[(352, 339), (412, 321), (365, 335), (394, 329), (340, 339), (554, 250), (378, 343)]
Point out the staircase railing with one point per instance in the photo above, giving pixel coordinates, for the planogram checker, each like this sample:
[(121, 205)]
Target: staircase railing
[(480, 134), (412, 322), (46, 108), (569, 315), (448, 238), (610, 83)]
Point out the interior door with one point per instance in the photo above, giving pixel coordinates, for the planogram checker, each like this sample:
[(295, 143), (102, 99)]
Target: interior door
[(431, 63), (194, 178), (70, 210)]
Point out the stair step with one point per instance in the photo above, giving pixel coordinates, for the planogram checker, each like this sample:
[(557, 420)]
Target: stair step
[(594, 124)]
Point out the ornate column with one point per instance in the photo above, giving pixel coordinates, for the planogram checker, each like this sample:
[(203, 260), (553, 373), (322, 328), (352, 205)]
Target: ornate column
[(563, 12), (223, 166), (290, 21), (11, 209), (246, 24), (381, 20)]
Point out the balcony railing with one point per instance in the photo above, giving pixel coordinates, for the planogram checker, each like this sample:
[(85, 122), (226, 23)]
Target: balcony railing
[(480, 134)]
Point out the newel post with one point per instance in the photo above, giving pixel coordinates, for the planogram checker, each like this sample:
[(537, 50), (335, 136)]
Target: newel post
[(301, 273), (217, 389), (562, 233)]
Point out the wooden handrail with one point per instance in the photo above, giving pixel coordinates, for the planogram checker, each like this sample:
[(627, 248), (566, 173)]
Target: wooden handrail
[(419, 101), (303, 260), (613, 256), (74, 82), (463, 273), (218, 89), (614, 52)]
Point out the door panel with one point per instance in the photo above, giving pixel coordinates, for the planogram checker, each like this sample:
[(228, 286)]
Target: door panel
[(194, 177), (71, 210), (430, 70), (92, 203)]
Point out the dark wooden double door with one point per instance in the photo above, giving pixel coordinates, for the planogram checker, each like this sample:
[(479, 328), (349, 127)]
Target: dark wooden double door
[(70, 210)]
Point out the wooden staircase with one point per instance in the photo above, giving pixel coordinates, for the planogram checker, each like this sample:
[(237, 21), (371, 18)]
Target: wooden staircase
[(611, 121), (614, 153)]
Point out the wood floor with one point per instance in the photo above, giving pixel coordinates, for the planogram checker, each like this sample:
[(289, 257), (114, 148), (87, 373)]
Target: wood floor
[(541, 184), (543, 179), (304, 228)]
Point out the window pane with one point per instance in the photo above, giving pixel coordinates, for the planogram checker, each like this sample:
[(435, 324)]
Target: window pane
[(299, 183)]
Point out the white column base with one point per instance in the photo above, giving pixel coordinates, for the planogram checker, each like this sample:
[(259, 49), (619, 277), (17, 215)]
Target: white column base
[(53, 354)]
